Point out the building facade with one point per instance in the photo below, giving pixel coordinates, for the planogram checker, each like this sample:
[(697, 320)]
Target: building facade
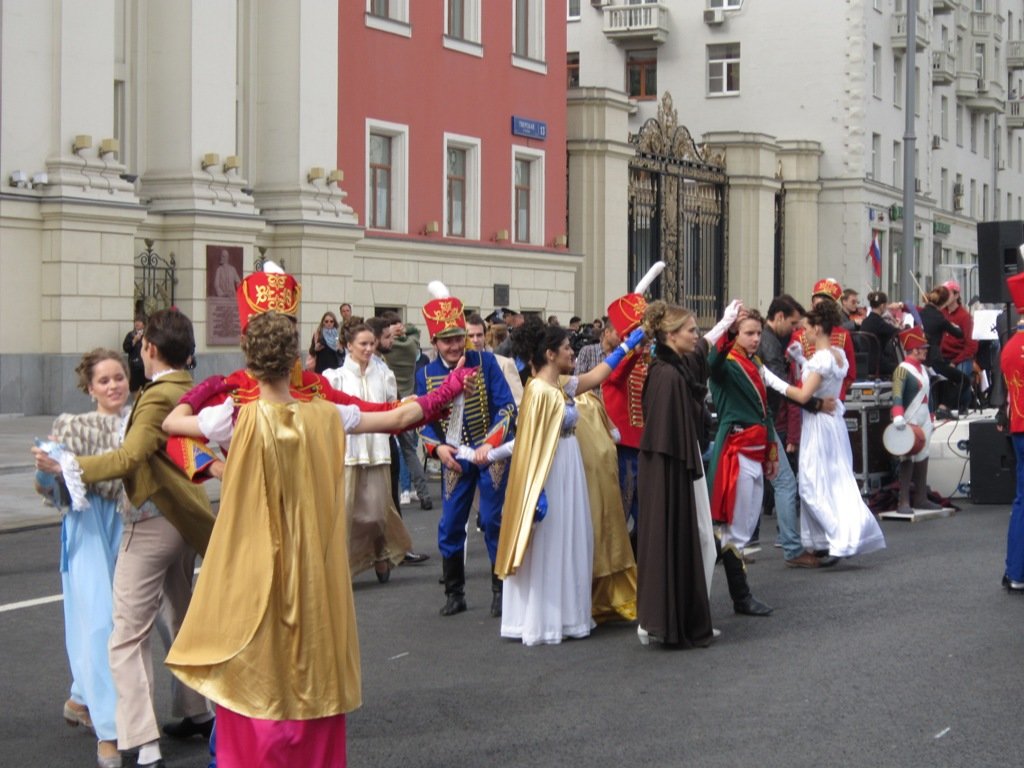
[(809, 100), (144, 145)]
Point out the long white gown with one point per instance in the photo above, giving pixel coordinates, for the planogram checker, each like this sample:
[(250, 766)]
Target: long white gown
[(834, 517), (548, 597)]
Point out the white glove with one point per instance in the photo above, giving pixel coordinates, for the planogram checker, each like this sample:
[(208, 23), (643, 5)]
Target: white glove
[(795, 352), (899, 422), (616, 435), (465, 453), (215, 422), (728, 319), (503, 451), (774, 382)]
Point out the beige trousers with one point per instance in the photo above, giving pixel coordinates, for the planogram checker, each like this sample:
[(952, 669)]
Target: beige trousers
[(153, 577)]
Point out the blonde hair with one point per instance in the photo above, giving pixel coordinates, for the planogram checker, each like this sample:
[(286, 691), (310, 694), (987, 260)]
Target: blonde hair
[(661, 319)]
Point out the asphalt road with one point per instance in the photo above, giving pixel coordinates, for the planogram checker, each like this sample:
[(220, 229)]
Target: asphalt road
[(909, 657)]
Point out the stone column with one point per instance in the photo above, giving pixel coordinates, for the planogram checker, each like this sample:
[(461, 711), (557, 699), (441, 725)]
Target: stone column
[(599, 155), (800, 171), (751, 161)]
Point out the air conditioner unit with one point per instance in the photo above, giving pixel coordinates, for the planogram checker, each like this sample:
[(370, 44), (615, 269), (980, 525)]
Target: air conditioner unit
[(982, 85), (958, 190), (958, 202), (917, 185), (936, 142), (1002, 165), (714, 16), (599, 3)]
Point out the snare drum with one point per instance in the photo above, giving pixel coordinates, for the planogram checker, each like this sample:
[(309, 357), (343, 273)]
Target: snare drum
[(909, 441)]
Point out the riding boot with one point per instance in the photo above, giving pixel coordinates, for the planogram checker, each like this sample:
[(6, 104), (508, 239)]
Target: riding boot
[(921, 500), (906, 473), (496, 586), (454, 570), (736, 576)]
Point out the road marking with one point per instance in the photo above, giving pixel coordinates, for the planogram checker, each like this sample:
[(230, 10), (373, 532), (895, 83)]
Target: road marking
[(30, 603), (942, 733), (37, 601)]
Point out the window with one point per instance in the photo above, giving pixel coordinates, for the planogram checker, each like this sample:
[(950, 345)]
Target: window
[(897, 81), (642, 74), (528, 195), (724, 69), (944, 118), (573, 11), (387, 182), (917, 90), (876, 71), (974, 199), (379, 214), (727, 4), (974, 132), (462, 186), (944, 188), (876, 156), (897, 163), (984, 202), (389, 16), (462, 26), (979, 60), (986, 138), (959, 125), (572, 69), (528, 33)]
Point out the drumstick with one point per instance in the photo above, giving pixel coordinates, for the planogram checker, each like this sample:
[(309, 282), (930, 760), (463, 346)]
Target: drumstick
[(919, 288)]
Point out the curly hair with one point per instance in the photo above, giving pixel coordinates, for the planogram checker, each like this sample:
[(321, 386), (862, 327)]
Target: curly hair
[(271, 346), (825, 316), (534, 338), (661, 319), (87, 365)]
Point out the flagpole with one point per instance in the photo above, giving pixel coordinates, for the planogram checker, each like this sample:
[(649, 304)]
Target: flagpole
[(909, 140)]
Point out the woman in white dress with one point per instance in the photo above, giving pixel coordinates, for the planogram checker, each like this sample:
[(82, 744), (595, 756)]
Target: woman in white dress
[(377, 535), (834, 517), (546, 545)]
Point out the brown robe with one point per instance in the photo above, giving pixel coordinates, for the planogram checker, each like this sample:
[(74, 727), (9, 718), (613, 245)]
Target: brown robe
[(672, 595)]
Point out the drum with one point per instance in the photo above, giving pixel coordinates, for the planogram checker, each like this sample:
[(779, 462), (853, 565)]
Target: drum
[(909, 441)]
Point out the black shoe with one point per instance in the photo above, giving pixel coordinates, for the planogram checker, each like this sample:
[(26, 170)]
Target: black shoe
[(1014, 587), (496, 604), (415, 558), (187, 728), (157, 764), (454, 604), (827, 561), (383, 576), (426, 504), (751, 606), (944, 414)]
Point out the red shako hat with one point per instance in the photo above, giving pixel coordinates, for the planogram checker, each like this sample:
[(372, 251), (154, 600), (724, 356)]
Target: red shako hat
[(627, 312), (270, 290), (443, 313), (829, 288), (913, 338)]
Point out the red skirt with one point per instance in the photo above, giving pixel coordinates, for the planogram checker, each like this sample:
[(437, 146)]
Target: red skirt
[(246, 742)]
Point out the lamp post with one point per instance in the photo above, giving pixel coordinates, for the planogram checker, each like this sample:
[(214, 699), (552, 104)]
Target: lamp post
[(909, 171)]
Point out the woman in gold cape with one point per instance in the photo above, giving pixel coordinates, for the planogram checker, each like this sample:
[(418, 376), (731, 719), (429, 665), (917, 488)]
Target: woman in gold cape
[(271, 633), (548, 564)]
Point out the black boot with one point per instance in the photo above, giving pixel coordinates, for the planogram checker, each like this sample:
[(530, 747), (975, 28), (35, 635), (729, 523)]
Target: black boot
[(496, 585), (921, 500), (736, 575), (454, 569)]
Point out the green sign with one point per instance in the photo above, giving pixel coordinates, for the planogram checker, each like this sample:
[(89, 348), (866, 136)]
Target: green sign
[(941, 228), (896, 212)]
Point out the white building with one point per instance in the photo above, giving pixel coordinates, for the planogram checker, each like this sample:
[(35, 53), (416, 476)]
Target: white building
[(810, 95)]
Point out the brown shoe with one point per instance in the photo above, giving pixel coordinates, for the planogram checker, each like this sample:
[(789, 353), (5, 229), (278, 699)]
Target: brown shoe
[(76, 714), (806, 560), (107, 755)]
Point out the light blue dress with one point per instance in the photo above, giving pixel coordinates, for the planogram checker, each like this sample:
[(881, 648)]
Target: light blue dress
[(89, 542)]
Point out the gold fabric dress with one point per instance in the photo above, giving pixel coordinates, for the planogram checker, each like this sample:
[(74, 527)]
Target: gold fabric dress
[(613, 590), (271, 631)]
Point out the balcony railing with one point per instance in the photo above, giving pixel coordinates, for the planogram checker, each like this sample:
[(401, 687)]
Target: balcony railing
[(982, 23), (1015, 114), (899, 32), (943, 67), (989, 97), (647, 22), (1015, 54)]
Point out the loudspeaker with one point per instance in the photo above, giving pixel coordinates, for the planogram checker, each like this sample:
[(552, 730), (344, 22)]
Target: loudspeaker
[(993, 464), (872, 464), (998, 259)]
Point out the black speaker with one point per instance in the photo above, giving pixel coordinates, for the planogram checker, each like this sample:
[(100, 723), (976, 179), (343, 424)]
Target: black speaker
[(998, 259), (868, 423), (993, 465)]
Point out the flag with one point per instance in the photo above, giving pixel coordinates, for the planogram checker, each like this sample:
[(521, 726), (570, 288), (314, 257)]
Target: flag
[(875, 253)]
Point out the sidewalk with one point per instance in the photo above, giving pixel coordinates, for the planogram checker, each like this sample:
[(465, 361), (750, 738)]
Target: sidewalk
[(20, 506)]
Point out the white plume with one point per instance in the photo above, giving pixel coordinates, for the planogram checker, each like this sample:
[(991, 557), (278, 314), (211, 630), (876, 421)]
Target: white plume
[(272, 267), (652, 274), (437, 289)]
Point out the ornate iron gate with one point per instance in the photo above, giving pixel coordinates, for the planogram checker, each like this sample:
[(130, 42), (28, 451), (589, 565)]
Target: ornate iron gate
[(154, 281), (678, 210)]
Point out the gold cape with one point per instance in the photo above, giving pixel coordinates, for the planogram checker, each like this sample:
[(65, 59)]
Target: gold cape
[(613, 590), (271, 630), (537, 432)]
